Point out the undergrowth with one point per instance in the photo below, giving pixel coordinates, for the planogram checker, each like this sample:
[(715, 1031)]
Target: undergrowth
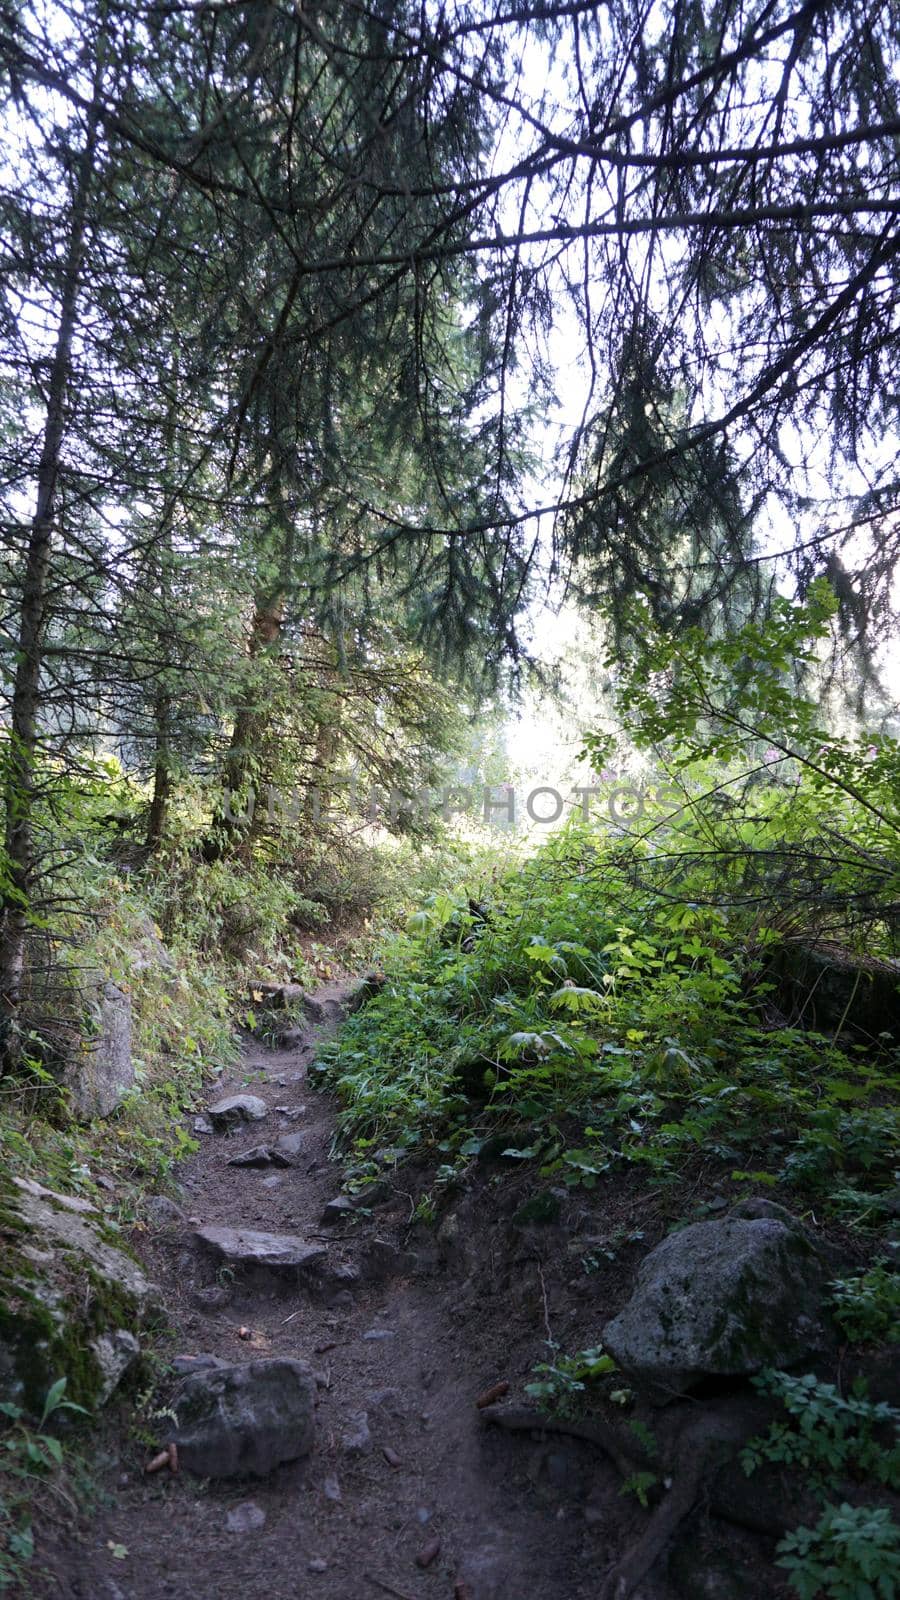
[(573, 1017)]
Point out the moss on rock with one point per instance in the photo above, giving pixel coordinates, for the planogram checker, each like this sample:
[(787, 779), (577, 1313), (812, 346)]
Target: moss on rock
[(72, 1303)]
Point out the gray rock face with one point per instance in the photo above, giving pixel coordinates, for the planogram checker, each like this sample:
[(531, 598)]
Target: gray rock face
[(245, 1419), (105, 1071), (721, 1299), (248, 1247), (236, 1108), (65, 1286)]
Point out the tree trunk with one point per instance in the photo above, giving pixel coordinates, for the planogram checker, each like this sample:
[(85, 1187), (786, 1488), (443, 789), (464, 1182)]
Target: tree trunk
[(19, 778), (162, 772), (241, 776)]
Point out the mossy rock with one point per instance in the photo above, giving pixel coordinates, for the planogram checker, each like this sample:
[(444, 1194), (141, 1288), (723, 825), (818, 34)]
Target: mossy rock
[(72, 1302), (723, 1300)]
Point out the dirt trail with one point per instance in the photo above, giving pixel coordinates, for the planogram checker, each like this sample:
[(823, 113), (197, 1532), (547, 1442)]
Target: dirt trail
[(345, 1524)]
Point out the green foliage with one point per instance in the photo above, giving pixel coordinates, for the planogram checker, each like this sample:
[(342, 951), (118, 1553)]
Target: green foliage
[(28, 1458), (867, 1306), (639, 1484), (852, 1553), (562, 1384), (610, 1022), (828, 1435)]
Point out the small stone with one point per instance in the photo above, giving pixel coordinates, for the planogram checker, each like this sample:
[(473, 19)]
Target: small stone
[(203, 1125), (337, 1210), (215, 1298), (378, 1334), (272, 1181), (331, 1489), (236, 1108), (317, 1565), (423, 1515), (428, 1553), (357, 1440), (391, 1456), (245, 1518), (288, 1146)]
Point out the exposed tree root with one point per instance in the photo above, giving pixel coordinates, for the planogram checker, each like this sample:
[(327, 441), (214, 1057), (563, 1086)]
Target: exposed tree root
[(700, 1442)]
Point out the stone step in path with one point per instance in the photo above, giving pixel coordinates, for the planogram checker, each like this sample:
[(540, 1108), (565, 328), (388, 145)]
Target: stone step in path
[(251, 1247)]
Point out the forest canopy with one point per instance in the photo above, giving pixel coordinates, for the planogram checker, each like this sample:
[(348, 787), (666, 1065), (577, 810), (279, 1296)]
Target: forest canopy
[(330, 333)]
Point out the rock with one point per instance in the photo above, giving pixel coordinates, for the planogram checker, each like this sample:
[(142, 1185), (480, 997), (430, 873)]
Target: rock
[(249, 1247), (368, 987), (72, 1303), (202, 1125), (290, 1145), (316, 1564), (236, 1108), (388, 1402), (248, 1517), (214, 1298), (105, 1071), (245, 1419), (337, 1210), (375, 1335), (331, 1489), (356, 1439), (162, 1211), (721, 1299), (184, 1365), (287, 996), (273, 1180), (115, 1352), (261, 1155), (291, 1038)]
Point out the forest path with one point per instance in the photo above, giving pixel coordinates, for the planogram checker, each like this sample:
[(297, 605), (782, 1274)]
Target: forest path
[(348, 1522)]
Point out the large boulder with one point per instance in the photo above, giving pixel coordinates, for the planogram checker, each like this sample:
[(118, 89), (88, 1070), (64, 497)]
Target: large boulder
[(72, 1302), (720, 1300), (245, 1418), (104, 1073)]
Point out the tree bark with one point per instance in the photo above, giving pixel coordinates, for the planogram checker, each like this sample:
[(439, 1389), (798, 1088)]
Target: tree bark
[(19, 777), (162, 772), (241, 775)]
